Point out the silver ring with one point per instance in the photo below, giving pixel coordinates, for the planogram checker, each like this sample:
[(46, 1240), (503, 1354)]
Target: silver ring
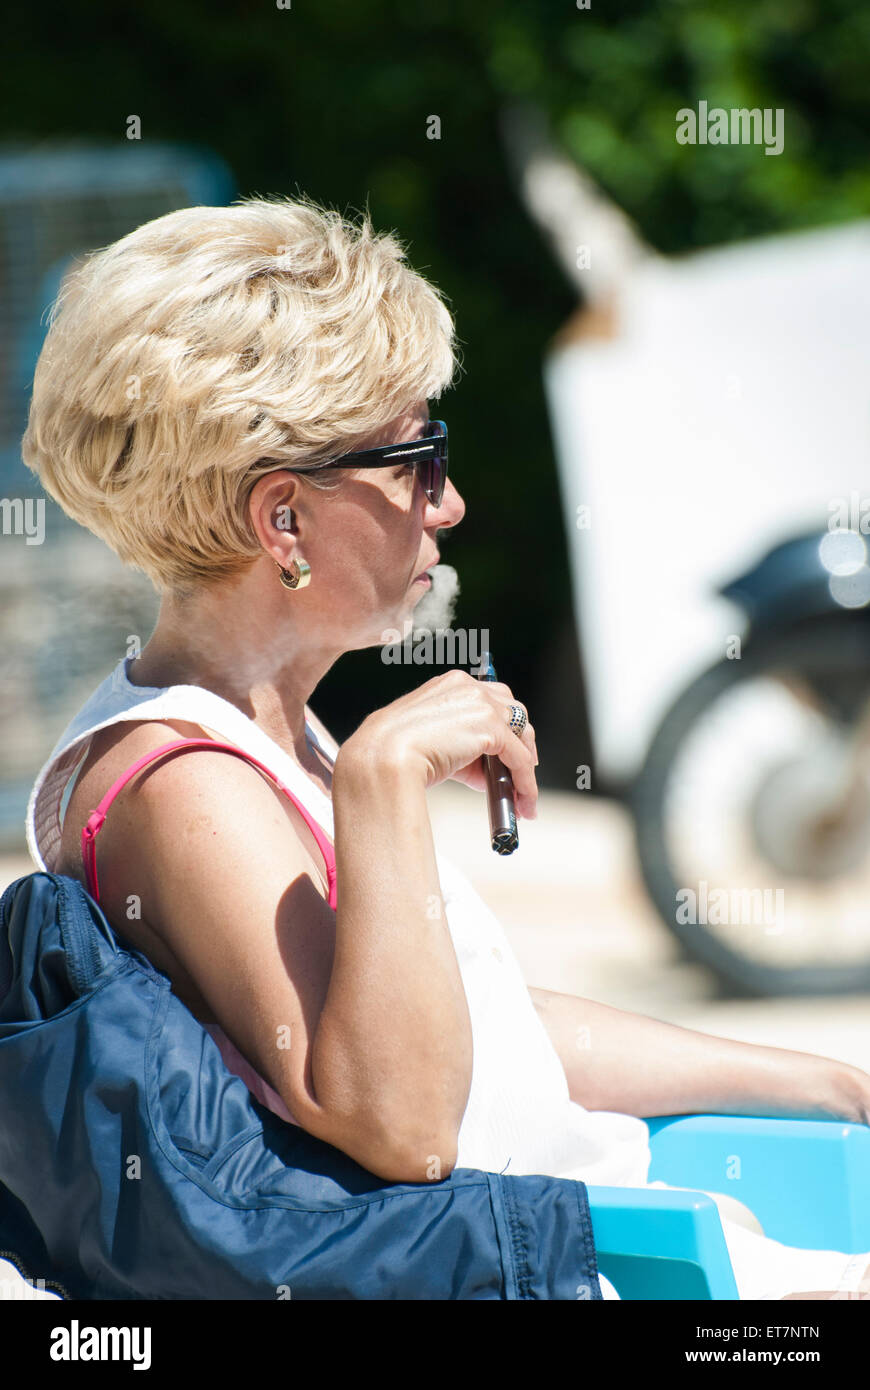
[(518, 719)]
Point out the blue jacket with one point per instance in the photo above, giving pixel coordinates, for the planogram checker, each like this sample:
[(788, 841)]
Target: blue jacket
[(134, 1165)]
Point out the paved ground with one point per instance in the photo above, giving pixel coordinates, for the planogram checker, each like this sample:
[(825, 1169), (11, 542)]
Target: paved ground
[(571, 903)]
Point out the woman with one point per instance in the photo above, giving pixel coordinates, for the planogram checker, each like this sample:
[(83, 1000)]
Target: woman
[(196, 376)]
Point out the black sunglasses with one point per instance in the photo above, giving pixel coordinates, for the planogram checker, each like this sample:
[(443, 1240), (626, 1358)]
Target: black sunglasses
[(428, 454)]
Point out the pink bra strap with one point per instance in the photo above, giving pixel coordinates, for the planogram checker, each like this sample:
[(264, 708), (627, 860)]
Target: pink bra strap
[(95, 820)]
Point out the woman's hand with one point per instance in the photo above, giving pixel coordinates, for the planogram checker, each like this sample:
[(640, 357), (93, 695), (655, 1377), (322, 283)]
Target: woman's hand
[(856, 1089), (444, 728)]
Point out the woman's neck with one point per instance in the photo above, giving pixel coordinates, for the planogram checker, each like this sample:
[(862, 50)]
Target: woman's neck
[(206, 642)]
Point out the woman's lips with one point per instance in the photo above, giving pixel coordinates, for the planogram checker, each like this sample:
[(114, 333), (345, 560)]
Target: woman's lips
[(424, 577)]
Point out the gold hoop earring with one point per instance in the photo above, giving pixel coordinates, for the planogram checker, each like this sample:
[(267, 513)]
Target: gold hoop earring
[(297, 576)]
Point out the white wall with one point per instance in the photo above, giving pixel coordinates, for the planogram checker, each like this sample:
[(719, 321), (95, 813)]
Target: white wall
[(730, 411)]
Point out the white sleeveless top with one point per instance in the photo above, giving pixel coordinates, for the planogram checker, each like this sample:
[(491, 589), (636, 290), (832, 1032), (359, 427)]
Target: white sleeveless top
[(519, 1118)]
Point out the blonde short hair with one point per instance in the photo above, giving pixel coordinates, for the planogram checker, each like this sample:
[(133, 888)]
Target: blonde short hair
[(209, 345)]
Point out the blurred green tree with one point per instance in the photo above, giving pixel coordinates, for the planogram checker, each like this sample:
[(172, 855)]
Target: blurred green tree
[(334, 98)]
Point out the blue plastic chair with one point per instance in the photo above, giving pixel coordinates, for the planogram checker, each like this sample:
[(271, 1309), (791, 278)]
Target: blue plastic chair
[(807, 1181)]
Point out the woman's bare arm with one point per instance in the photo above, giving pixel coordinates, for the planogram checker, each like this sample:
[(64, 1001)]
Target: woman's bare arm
[(358, 1018), (636, 1065)]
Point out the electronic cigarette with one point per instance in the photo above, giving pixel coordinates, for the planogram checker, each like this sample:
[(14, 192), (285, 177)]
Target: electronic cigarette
[(499, 786)]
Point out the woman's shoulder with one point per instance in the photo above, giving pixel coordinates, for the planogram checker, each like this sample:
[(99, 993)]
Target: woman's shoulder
[(111, 751), (172, 797)]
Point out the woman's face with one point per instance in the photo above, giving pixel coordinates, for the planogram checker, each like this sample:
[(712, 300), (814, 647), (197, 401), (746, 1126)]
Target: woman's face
[(370, 542)]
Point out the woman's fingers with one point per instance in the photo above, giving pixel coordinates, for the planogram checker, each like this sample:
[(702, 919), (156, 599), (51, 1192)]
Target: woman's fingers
[(447, 724), (517, 750), (528, 733), (517, 754)]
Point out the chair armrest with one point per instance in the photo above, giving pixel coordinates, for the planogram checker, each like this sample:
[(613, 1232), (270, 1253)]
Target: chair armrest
[(808, 1181), (660, 1245)]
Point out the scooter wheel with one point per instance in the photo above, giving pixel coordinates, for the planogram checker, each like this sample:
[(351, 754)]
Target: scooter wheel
[(752, 813)]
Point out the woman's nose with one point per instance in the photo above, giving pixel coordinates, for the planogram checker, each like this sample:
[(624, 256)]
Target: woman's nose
[(452, 508)]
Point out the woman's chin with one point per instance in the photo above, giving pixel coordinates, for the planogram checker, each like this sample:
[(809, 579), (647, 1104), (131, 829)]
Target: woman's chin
[(409, 610), (426, 606), (434, 602)]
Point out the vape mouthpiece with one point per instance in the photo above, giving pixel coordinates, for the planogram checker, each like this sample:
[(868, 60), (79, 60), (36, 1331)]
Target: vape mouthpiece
[(486, 671)]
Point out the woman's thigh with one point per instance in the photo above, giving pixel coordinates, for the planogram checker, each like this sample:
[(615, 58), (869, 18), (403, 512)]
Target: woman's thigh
[(729, 1206), (767, 1269)]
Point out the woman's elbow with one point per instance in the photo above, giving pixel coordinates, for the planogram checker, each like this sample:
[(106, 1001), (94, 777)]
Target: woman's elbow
[(405, 1157), (394, 1147), (431, 1160)]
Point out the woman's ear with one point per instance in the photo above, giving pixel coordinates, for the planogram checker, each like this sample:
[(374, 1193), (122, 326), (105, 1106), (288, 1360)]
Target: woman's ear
[(274, 512)]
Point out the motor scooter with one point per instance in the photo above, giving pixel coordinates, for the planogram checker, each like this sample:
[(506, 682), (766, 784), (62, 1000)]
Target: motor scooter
[(752, 807)]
